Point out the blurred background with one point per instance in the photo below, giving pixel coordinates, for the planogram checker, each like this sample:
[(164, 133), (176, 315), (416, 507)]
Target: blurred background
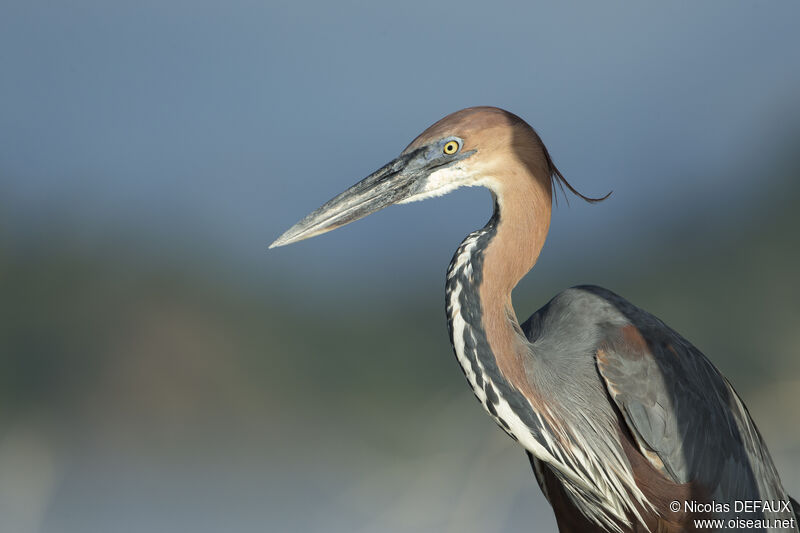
[(161, 371)]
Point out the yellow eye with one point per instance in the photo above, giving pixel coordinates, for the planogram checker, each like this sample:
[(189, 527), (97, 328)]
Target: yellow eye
[(450, 148)]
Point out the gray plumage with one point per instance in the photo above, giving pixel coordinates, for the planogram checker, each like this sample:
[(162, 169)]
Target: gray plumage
[(672, 399)]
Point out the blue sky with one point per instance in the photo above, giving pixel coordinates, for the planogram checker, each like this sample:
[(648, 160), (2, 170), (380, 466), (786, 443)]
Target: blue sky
[(218, 125)]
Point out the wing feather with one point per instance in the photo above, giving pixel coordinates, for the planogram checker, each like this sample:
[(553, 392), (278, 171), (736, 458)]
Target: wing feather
[(685, 416)]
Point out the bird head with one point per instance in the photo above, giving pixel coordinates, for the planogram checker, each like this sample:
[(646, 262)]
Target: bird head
[(477, 146)]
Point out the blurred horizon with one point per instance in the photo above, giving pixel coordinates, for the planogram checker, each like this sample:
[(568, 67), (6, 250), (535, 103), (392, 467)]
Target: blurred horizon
[(161, 370)]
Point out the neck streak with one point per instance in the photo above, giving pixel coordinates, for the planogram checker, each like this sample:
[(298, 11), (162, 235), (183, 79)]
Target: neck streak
[(483, 327)]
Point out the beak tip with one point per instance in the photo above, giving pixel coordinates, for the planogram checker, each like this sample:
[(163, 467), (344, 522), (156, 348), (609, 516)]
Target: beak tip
[(380, 189), (276, 244), (288, 237)]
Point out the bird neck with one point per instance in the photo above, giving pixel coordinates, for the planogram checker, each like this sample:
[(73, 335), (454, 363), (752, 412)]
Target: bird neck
[(520, 222), (486, 268)]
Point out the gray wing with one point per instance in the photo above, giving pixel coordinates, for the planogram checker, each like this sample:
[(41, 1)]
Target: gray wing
[(684, 415)]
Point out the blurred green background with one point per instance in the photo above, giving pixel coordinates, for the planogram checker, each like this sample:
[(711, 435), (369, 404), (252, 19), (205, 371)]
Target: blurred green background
[(161, 371)]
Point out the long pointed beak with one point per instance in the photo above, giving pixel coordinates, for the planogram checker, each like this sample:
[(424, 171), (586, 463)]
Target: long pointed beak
[(387, 186)]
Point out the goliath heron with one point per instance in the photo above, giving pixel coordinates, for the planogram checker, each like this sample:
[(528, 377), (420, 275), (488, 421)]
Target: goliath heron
[(620, 416)]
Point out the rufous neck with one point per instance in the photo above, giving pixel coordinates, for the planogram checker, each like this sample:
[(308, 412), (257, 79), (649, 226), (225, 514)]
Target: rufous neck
[(522, 213), (484, 271)]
